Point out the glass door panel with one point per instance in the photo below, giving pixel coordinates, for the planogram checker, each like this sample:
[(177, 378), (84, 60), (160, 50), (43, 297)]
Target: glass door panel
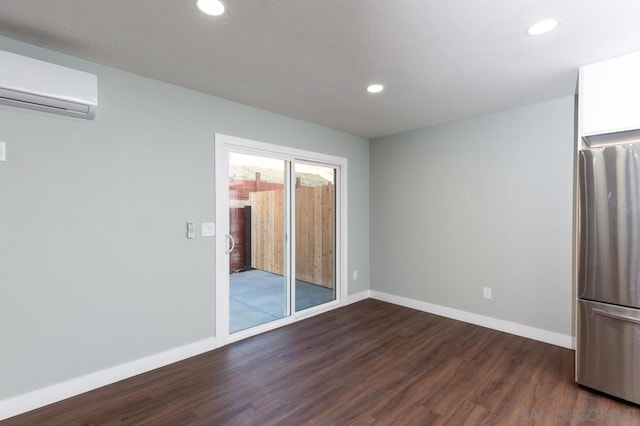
[(258, 284), (315, 235)]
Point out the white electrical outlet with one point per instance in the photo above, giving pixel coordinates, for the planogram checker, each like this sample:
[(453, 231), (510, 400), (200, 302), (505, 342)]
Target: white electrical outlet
[(355, 275), (208, 229), (3, 151), (486, 292)]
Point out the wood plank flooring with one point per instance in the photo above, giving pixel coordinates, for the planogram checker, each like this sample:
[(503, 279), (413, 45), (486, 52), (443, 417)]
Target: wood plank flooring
[(367, 363)]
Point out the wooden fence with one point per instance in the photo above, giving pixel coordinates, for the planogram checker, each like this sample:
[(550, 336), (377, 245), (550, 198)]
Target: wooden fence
[(315, 233)]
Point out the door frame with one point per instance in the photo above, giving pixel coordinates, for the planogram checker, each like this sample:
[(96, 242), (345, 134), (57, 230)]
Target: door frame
[(226, 143)]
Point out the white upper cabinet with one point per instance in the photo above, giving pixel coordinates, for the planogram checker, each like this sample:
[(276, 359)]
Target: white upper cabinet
[(609, 96)]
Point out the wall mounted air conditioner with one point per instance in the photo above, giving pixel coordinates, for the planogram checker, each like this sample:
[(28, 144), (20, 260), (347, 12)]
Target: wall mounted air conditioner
[(34, 84)]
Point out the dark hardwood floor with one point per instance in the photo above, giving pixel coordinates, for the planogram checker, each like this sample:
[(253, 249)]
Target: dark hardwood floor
[(367, 363)]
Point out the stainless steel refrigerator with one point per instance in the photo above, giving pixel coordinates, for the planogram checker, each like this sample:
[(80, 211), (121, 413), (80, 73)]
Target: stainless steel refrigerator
[(608, 346)]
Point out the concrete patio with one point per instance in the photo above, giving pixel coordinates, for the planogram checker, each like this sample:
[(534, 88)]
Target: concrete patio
[(258, 297)]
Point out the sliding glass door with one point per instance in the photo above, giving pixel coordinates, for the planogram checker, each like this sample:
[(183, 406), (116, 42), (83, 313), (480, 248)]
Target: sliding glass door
[(258, 287), (279, 249)]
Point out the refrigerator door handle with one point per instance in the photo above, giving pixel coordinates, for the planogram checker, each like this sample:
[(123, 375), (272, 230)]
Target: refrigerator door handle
[(615, 316)]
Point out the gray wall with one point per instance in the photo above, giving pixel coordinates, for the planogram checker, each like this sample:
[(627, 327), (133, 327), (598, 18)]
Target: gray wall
[(95, 269), (481, 202)]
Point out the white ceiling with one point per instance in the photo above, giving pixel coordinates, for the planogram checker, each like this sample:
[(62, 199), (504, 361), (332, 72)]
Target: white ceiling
[(440, 60)]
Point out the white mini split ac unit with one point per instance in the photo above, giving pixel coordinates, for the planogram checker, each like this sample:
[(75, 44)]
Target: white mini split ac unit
[(34, 84)]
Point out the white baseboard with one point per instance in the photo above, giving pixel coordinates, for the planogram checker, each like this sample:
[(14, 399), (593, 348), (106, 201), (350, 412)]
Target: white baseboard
[(541, 335), (54, 393), (357, 297)]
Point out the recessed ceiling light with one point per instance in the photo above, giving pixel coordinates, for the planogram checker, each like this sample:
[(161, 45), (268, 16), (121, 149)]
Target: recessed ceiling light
[(375, 88), (543, 27), (212, 7)]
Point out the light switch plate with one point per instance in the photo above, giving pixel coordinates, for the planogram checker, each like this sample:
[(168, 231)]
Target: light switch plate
[(208, 229), (191, 233), (3, 151)]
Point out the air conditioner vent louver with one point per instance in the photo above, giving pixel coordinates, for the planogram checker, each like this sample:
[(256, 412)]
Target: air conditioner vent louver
[(34, 84), (609, 139)]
